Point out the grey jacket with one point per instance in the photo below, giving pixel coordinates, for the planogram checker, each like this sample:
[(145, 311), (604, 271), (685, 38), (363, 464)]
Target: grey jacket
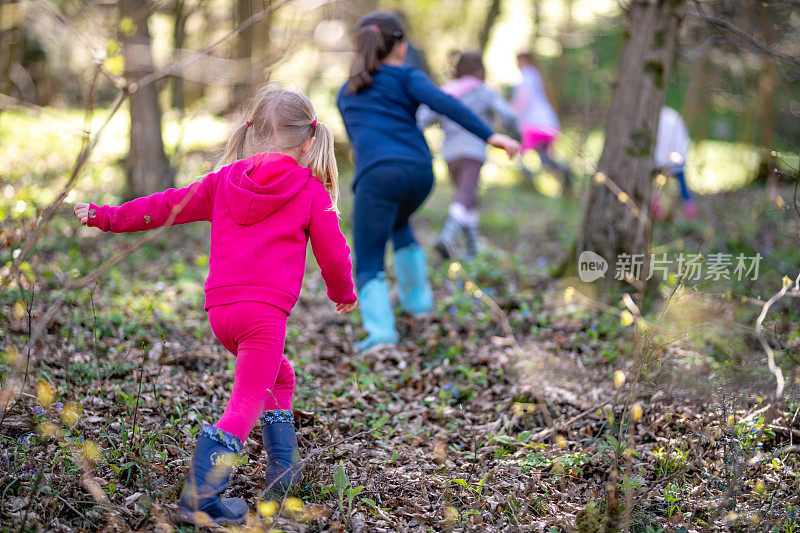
[(458, 142)]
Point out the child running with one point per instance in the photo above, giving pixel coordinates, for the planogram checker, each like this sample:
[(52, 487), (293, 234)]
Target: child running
[(393, 172), (672, 148), (464, 153), (278, 190), (537, 119)]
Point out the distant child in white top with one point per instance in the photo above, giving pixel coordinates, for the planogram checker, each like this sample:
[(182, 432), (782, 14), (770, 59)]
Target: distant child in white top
[(672, 149)]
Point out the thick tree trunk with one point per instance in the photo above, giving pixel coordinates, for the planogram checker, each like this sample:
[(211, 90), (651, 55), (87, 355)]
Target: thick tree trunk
[(617, 223), (148, 170), (488, 24)]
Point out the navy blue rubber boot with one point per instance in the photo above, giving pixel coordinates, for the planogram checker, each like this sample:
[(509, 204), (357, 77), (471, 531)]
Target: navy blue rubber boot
[(283, 454), (416, 296), (210, 472)]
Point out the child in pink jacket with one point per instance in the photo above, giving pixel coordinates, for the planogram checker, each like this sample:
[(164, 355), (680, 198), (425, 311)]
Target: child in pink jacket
[(278, 191)]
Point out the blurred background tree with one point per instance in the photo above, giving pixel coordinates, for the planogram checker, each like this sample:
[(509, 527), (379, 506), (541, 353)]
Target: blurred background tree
[(734, 78)]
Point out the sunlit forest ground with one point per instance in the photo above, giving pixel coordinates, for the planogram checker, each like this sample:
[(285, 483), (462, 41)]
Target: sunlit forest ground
[(502, 412)]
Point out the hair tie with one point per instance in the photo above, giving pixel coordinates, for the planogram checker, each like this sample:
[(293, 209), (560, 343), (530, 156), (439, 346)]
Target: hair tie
[(314, 123), (247, 123), (375, 28)]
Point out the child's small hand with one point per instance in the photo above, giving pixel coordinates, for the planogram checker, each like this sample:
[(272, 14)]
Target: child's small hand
[(504, 142), (345, 308), (82, 212)]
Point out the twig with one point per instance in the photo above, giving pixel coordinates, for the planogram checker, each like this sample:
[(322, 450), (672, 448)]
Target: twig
[(138, 393), (775, 369)]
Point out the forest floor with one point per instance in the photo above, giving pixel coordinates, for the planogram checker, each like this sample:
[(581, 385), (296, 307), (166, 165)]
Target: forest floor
[(524, 407)]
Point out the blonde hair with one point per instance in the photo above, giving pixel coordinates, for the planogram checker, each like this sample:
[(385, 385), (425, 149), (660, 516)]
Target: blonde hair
[(280, 120)]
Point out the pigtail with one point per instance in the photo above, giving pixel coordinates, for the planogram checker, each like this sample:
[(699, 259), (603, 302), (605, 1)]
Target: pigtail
[(322, 161), (370, 47), (235, 147)]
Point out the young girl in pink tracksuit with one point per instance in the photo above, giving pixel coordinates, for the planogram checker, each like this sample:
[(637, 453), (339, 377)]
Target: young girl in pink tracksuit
[(277, 191)]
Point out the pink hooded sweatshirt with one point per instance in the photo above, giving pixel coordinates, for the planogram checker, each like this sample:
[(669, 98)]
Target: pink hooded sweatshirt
[(263, 211)]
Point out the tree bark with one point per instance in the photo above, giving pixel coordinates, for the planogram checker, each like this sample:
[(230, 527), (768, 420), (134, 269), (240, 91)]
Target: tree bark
[(488, 24), (251, 50), (560, 67), (179, 17), (616, 224), (537, 21), (147, 168)]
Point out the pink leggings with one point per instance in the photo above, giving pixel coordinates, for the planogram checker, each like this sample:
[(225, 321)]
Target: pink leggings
[(255, 333)]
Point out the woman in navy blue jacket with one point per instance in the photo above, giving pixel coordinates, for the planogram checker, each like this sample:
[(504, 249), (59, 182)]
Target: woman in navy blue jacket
[(393, 172)]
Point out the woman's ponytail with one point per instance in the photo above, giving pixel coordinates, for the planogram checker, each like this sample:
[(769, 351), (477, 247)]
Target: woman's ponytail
[(322, 161)]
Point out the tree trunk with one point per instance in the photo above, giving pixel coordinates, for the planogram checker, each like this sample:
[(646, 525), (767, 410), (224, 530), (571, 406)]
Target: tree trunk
[(251, 50), (697, 105), (537, 22), (617, 224), (178, 39), (488, 24), (560, 67), (147, 169)]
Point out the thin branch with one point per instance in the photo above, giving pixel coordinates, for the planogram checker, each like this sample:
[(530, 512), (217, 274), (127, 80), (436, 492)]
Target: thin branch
[(762, 47)]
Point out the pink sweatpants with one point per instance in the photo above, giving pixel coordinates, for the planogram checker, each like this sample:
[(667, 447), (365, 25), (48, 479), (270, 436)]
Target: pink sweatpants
[(255, 333)]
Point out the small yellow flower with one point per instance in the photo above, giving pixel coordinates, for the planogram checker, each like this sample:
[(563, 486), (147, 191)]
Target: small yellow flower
[(294, 505), (91, 452), (44, 391), (70, 414), (619, 378), (561, 441), (636, 412), (455, 266), (268, 509), (626, 318), (569, 293)]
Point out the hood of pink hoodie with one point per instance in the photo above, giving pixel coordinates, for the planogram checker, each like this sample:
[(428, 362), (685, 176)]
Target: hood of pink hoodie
[(263, 185)]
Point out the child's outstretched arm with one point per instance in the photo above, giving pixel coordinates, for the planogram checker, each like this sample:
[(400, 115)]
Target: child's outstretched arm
[(426, 92), (503, 111), (331, 251), (189, 204)]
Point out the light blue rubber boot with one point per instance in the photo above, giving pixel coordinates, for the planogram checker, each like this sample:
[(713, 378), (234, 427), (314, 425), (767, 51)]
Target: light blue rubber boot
[(376, 315), (416, 296), (212, 462)]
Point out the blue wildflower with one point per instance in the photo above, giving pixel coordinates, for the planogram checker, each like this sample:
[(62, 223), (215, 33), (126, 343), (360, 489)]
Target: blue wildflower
[(59, 406), (526, 313), (38, 410), (541, 262), (453, 310), (593, 327)]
